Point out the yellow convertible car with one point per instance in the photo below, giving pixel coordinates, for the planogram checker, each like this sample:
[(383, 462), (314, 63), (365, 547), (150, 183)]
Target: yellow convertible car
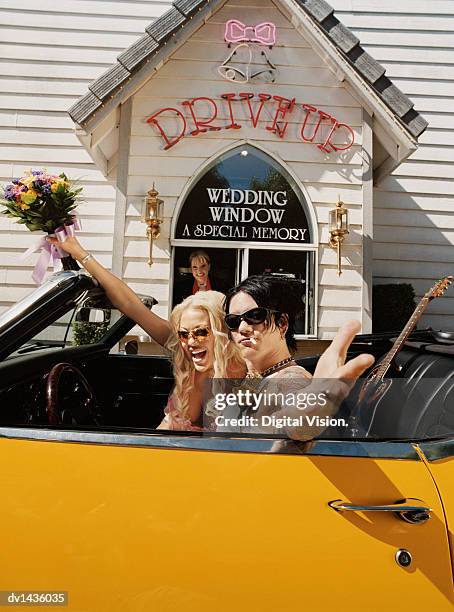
[(98, 505)]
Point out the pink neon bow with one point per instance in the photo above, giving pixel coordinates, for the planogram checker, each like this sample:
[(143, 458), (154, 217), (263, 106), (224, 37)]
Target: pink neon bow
[(50, 253), (263, 33)]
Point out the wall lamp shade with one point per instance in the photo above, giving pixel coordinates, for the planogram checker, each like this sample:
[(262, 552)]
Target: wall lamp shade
[(338, 229), (152, 215)]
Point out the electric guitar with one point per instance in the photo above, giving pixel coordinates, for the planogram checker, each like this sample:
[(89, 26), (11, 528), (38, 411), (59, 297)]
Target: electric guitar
[(376, 385)]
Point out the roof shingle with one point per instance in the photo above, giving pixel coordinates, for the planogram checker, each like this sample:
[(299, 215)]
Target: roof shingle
[(343, 38), (84, 108), (138, 52), (163, 27), (188, 7), (318, 9), (108, 82)]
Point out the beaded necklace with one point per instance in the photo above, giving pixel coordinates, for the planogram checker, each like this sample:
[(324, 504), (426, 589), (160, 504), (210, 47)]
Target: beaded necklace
[(274, 368)]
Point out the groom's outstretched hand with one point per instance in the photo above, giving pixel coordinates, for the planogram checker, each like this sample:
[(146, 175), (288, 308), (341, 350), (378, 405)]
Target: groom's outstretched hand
[(333, 378), (332, 363)]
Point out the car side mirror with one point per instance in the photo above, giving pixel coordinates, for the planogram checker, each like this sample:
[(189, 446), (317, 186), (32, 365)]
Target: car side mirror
[(92, 315)]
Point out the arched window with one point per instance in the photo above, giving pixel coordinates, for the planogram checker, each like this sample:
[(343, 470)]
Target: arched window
[(245, 195), (249, 216)]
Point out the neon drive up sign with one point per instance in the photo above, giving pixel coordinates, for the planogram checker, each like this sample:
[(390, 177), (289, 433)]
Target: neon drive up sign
[(274, 111)]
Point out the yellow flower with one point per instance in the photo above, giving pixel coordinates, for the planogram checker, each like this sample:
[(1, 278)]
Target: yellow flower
[(28, 197), (23, 206), (27, 181), (54, 187)]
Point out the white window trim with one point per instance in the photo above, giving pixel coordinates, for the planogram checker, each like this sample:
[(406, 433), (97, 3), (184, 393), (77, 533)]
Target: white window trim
[(311, 216)]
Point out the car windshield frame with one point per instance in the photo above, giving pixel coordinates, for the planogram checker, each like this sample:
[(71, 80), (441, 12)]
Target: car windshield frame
[(59, 294)]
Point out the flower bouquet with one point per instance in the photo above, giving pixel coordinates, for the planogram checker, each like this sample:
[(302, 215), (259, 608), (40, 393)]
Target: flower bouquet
[(46, 202)]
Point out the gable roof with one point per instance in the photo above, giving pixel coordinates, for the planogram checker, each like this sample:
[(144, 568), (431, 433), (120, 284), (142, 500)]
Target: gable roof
[(159, 32)]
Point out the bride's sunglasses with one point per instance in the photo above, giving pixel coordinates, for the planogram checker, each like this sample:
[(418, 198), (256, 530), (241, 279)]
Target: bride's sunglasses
[(199, 333), (255, 316)]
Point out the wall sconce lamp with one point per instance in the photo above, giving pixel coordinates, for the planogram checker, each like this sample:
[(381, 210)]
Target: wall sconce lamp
[(152, 215), (338, 229)]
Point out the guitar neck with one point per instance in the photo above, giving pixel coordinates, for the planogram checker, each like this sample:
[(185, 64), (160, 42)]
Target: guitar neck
[(398, 344)]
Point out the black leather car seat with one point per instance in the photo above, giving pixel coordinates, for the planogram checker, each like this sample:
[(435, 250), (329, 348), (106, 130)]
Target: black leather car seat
[(420, 403)]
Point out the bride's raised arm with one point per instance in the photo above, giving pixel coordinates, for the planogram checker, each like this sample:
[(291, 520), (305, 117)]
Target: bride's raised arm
[(121, 296)]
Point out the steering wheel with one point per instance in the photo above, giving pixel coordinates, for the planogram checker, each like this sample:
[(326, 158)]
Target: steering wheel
[(82, 414)]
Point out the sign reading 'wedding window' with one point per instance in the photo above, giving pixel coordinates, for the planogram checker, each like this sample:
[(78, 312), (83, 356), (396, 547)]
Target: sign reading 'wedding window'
[(244, 196)]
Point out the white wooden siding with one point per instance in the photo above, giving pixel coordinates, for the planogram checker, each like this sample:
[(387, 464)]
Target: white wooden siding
[(191, 72), (49, 53), (414, 208)]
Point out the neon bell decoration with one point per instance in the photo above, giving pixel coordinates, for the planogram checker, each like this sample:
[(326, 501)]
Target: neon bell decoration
[(237, 66)]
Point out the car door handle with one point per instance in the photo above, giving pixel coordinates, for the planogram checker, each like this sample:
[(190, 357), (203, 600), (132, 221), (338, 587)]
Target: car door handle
[(408, 510)]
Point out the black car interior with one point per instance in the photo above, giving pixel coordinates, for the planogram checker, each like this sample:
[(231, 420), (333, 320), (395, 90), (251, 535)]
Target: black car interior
[(420, 401), (131, 391)]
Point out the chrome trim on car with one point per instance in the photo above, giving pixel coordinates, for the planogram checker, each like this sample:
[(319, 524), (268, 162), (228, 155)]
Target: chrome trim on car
[(437, 449), (405, 509), (210, 442)]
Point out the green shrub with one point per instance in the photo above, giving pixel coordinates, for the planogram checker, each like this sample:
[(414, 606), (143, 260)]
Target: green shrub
[(88, 333), (392, 306)]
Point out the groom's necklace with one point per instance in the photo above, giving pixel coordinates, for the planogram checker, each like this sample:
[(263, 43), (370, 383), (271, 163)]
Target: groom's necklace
[(274, 368)]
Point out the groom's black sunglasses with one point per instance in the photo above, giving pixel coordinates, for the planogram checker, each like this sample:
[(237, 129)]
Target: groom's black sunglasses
[(255, 316)]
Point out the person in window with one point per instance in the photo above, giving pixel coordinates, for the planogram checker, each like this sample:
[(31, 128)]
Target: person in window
[(196, 336), (200, 264), (261, 313)]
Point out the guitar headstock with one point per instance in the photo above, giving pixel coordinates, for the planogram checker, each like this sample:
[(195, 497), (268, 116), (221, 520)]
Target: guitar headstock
[(439, 288)]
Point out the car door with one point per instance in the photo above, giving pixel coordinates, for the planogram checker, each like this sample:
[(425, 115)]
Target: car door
[(191, 522), (438, 455)]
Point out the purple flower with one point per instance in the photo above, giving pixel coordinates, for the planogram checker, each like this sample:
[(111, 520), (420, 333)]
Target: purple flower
[(15, 181), (36, 172), (47, 189), (8, 194)]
